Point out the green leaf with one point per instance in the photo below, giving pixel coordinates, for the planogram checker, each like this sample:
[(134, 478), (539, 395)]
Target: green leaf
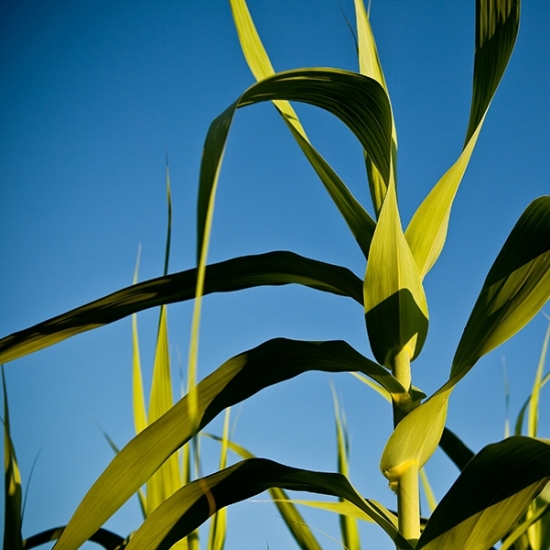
[(348, 524), (497, 23), (293, 519), (369, 65), (358, 220), (107, 539), (167, 479), (516, 288), (194, 503), (234, 381), (272, 268), (358, 101), (455, 449), (489, 496), (12, 484), (396, 311)]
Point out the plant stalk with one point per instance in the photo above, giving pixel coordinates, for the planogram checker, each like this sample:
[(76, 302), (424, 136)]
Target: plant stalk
[(408, 495)]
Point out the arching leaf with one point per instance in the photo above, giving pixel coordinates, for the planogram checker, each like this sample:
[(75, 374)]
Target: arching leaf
[(272, 268)]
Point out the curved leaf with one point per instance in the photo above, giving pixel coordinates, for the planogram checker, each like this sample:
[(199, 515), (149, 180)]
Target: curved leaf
[(272, 268), (516, 288), (234, 381), (107, 539), (489, 496), (197, 501), (291, 516), (497, 23), (358, 220), (358, 101)]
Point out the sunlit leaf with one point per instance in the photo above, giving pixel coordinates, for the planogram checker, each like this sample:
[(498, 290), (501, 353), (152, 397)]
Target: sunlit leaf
[(369, 65), (272, 268), (193, 504), (358, 220), (12, 484), (497, 24), (395, 304), (489, 496), (348, 524), (236, 380), (516, 288)]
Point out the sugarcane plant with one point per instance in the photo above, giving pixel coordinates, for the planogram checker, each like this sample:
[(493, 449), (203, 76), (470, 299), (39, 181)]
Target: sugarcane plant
[(497, 487)]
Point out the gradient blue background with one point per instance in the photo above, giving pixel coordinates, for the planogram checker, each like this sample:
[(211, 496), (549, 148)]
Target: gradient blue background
[(93, 95)]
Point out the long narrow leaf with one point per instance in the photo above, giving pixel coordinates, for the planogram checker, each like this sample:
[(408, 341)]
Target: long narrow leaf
[(489, 496), (12, 484), (358, 220), (293, 519), (272, 268), (193, 504), (236, 380), (497, 23)]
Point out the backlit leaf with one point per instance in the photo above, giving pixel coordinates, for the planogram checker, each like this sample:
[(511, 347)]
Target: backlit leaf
[(489, 496), (194, 503), (236, 380), (272, 268)]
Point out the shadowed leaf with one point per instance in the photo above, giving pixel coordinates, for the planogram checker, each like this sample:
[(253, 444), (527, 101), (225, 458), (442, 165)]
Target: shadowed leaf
[(272, 268)]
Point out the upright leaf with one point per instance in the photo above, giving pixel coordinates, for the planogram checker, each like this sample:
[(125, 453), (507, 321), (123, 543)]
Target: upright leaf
[(369, 65), (497, 23), (395, 304), (12, 484)]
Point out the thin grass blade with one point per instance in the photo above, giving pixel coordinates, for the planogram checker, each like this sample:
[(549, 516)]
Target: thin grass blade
[(348, 524), (13, 539)]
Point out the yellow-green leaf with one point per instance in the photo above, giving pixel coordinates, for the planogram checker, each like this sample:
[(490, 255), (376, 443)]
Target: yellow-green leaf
[(234, 381), (395, 304), (358, 220), (497, 23), (489, 496)]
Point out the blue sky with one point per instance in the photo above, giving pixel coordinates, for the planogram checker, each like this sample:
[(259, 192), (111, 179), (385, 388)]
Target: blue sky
[(95, 94)]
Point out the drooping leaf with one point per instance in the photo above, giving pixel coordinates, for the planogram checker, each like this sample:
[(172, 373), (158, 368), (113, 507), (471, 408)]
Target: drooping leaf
[(489, 496), (12, 484), (516, 288), (497, 23), (103, 537), (358, 220), (358, 101), (396, 310), (236, 380), (291, 516), (193, 504), (272, 268)]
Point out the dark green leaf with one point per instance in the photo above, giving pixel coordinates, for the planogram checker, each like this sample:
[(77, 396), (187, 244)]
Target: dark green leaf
[(272, 268)]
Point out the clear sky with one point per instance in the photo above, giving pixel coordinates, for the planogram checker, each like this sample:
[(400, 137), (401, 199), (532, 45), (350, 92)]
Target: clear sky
[(92, 97)]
